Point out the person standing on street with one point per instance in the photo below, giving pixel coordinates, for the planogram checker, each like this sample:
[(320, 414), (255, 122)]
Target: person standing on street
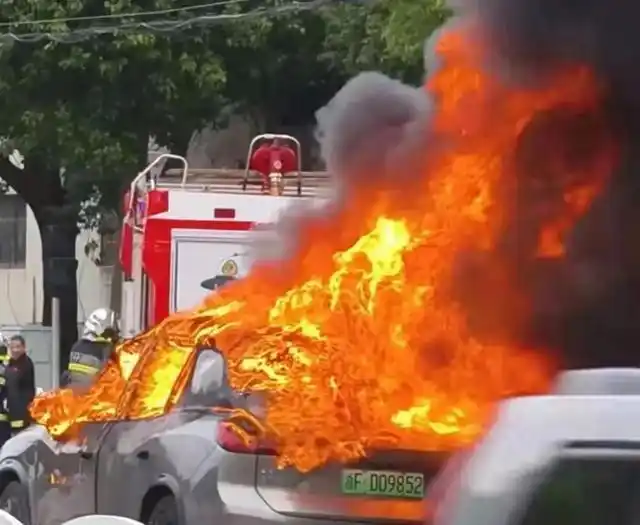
[(20, 384), (5, 427)]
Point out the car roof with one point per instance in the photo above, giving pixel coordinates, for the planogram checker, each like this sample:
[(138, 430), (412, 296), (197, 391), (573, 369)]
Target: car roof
[(600, 381), (529, 432)]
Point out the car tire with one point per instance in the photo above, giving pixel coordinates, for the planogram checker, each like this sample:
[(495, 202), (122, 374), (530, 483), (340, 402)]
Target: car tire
[(14, 499), (164, 512)]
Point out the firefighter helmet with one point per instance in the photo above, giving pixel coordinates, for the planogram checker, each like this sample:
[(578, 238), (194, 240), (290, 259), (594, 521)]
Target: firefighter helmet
[(101, 324)]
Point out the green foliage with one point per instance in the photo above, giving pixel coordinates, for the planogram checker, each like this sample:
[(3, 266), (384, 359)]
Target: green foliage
[(281, 69), (385, 35), (277, 69), (90, 107)]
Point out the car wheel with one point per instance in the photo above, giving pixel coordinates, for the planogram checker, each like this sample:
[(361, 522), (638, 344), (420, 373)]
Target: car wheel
[(165, 512), (15, 500)]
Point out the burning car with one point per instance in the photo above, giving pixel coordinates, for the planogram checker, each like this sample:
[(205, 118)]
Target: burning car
[(190, 466), (472, 250)]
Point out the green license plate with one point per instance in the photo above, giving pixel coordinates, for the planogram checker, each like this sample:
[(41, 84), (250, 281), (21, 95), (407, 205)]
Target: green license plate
[(383, 483)]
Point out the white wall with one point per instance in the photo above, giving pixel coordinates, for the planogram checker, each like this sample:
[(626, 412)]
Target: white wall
[(21, 292)]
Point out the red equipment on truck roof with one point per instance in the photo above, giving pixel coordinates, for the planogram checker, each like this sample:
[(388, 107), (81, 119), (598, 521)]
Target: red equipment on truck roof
[(272, 160), (192, 230)]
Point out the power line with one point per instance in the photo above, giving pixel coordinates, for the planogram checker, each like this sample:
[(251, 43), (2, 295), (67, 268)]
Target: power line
[(158, 26), (113, 16)]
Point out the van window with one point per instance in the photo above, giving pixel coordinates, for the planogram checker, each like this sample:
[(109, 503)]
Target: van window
[(588, 491)]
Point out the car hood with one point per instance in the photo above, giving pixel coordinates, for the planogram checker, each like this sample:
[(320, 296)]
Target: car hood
[(22, 441)]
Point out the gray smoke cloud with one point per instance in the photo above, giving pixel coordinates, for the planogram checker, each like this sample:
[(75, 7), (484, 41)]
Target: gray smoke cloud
[(371, 132), (371, 127)]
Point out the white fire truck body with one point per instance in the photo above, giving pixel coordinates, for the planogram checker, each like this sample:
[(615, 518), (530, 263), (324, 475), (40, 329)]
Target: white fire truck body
[(189, 231)]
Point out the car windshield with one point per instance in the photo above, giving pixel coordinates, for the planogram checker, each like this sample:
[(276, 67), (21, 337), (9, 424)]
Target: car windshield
[(588, 491)]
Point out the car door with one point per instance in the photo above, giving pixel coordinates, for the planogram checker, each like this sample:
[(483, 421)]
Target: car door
[(67, 489), (131, 452), (165, 450)]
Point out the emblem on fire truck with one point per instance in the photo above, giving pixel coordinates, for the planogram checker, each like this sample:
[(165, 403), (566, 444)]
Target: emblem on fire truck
[(229, 268), (228, 272)]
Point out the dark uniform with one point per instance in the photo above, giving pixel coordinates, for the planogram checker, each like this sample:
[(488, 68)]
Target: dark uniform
[(21, 389), (86, 360), (5, 426), (90, 353)]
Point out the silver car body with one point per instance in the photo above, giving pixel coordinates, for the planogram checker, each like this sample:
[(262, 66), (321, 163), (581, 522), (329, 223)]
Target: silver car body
[(125, 467), (492, 483)]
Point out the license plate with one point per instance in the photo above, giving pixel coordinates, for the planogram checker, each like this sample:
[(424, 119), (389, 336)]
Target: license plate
[(383, 483)]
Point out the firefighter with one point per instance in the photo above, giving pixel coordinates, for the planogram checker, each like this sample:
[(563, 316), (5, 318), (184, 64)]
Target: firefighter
[(20, 384), (88, 355), (5, 427)]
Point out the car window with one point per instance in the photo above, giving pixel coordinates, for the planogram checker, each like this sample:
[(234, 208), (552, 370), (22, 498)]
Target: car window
[(208, 386), (587, 491)]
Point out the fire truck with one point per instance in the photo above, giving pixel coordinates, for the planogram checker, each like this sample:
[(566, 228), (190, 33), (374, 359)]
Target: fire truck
[(187, 231)]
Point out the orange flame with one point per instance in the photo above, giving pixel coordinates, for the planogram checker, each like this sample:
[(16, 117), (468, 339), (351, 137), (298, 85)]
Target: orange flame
[(360, 341)]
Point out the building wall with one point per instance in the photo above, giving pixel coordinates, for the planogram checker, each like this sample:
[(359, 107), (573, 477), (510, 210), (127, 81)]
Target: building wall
[(21, 291)]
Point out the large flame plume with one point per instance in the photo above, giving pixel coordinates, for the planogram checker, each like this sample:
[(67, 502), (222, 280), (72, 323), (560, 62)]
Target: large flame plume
[(398, 320)]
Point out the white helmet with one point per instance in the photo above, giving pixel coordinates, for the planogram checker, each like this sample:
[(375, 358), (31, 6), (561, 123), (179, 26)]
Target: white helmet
[(101, 324)]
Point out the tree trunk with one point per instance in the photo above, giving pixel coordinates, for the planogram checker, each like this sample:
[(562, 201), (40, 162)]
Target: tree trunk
[(59, 244), (40, 186)]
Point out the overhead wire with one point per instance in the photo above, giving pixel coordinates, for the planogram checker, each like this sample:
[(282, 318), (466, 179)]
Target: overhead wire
[(72, 36), (112, 16)]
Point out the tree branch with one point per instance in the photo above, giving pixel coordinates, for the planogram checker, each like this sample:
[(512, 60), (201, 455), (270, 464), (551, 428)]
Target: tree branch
[(38, 186)]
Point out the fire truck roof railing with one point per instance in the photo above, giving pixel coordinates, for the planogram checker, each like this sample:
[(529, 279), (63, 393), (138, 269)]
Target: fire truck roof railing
[(223, 180)]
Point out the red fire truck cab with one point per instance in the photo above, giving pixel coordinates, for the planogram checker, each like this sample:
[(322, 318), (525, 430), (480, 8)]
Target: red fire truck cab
[(191, 230)]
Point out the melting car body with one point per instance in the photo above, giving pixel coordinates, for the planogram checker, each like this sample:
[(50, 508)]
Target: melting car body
[(189, 467)]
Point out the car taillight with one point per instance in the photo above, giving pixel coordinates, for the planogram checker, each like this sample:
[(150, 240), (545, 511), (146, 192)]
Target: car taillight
[(230, 440)]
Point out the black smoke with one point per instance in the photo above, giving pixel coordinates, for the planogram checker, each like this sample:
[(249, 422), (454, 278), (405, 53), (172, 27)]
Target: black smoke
[(587, 304), (536, 37)]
